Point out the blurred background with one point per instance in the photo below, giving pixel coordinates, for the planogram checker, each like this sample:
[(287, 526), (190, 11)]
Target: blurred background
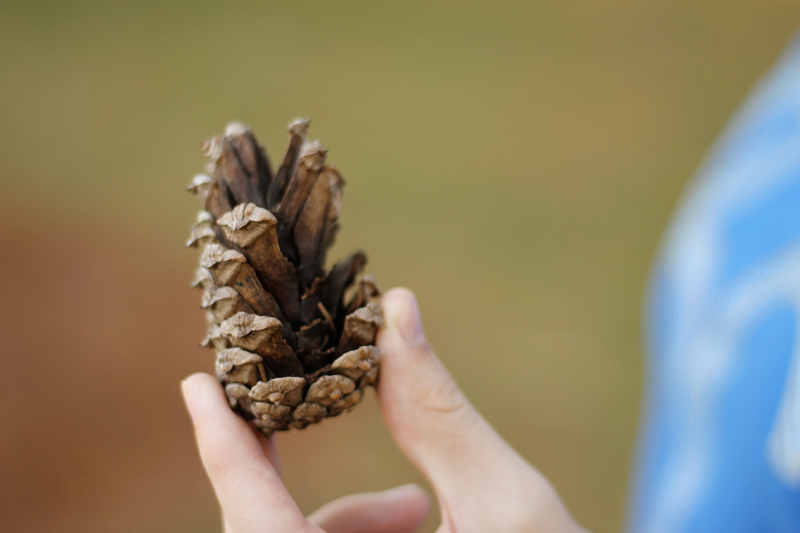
[(512, 162)]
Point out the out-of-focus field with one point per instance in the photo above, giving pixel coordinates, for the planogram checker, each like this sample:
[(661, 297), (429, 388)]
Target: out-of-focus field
[(512, 162)]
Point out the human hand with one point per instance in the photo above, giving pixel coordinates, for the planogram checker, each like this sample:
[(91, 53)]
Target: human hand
[(480, 482)]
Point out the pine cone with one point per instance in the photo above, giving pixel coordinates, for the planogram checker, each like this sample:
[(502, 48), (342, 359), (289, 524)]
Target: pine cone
[(291, 347)]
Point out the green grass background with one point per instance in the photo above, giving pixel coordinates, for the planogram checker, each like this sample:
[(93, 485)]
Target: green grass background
[(512, 162)]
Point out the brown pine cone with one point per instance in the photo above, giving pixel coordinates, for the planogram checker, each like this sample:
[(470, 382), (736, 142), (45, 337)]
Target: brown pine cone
[(293, 345)]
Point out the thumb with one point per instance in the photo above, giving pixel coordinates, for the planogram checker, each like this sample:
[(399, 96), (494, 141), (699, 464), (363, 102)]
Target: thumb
[(481, 482), (430, 418)]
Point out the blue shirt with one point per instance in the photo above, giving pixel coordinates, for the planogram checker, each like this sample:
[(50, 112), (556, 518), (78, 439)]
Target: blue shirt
[(720, 447)]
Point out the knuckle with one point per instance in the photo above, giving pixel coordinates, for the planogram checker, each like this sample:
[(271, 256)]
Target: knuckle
[(436, 394), (445, 398), (450, 409)]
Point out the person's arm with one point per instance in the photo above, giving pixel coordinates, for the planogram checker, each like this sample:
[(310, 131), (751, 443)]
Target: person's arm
[(481, 483)]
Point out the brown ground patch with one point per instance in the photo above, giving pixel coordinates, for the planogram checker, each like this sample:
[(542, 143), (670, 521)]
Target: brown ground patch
[(97, 330)]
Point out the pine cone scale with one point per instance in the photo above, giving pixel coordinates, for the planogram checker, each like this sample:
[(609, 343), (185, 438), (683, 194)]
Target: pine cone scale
[(253, 230), (230, 268), (313, 228), (298, 130), (229, 168), (254, 161), (309, 167), (341, 276)]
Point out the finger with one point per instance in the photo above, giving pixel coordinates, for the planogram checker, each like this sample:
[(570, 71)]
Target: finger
[(271, 451), (399, 510), (248, 487), (270, 448), (430, 418)]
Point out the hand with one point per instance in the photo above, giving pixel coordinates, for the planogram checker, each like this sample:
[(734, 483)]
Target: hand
[(481, 483)]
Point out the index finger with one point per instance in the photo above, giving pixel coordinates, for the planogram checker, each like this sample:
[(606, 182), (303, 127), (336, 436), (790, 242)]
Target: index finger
[(248, 487)]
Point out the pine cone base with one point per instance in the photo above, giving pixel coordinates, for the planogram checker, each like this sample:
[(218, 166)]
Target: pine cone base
[(294, 342)]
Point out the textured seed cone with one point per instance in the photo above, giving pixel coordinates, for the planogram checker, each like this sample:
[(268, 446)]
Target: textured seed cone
[(294, 342)]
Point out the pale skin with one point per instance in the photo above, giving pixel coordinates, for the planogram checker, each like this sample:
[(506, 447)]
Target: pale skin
[(481, 483)]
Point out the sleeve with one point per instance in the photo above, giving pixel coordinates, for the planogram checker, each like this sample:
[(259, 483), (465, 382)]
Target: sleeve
[(719, 448)]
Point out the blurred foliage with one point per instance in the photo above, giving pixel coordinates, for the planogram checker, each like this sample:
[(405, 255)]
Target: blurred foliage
[(512, 162)]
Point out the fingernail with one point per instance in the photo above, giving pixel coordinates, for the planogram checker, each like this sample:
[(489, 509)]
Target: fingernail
[(193, 397), (403, 490), (409, 323)]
